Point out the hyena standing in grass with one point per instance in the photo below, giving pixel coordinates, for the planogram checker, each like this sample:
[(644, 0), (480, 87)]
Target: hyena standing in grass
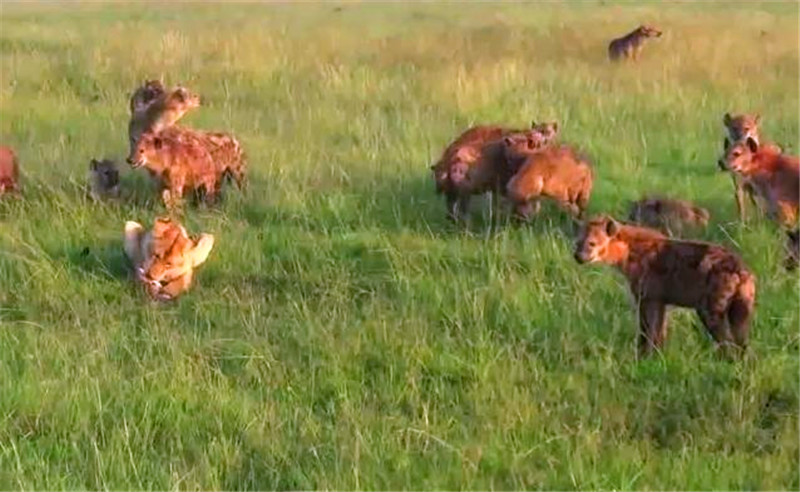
[(741, 127), (556, 172), (666, 272), (630, 45), (476, 163), (159, 113), (773, 176), (668, 215), (225, 150), (103, 179)]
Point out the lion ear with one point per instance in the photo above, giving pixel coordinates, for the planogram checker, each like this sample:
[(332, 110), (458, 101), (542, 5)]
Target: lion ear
[(555, 126), (533, 124), (202, 247), (757, 118), (726, 144), (93, 165), (132, 241)]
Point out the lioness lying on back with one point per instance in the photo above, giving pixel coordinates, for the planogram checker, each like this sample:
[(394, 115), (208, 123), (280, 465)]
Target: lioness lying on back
[(164, 258)]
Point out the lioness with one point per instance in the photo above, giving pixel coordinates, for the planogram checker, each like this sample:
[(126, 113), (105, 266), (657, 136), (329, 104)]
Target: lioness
[(164, 258)]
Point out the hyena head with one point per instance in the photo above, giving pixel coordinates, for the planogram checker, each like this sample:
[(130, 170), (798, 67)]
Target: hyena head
[(741, 127), (594, 239), (542, 134), (739, 156), (649, 31), (105, 174)]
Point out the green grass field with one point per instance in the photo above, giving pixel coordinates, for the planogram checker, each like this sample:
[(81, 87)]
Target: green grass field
[(344, 335)]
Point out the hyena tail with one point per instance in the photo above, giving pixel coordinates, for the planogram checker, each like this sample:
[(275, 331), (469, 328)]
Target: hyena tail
[(740, 309)]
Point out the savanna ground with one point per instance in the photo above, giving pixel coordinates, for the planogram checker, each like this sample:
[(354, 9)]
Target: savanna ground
[(343, 334)]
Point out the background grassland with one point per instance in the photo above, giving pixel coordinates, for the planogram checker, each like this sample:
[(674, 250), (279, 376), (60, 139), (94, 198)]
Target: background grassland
[(343, 334)]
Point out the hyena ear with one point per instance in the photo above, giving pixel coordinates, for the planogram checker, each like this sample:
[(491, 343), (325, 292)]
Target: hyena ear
[(752, 144), (656, 204), (93, 165), (727, 119), (508, 141), (533, 124), (554, 125), (612, 227)]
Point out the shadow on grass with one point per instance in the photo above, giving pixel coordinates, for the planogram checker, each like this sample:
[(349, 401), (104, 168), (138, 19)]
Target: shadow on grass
[(400, 206), (105, 259)]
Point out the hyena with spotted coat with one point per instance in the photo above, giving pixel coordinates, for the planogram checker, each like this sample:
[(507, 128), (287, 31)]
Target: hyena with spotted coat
[(664, 272)]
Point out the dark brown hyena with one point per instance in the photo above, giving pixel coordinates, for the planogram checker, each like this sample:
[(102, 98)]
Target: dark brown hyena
[(630, 45), (665, 272)]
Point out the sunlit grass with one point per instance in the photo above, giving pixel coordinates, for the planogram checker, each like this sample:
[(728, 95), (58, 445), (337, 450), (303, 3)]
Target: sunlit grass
[(343, 334)]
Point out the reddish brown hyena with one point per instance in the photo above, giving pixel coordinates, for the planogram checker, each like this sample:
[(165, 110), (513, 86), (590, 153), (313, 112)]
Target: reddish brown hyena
[(665, 272), (160, 113), (558, 173), (773, 176), (9, 170), (225, 150), (476, 163), (180, 165)]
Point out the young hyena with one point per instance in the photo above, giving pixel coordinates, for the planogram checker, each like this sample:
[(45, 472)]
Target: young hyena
[(103, 179), (665, 272), (630, 45), (668, 215)]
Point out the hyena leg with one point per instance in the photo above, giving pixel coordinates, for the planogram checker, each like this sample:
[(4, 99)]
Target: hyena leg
[(740, 206), (239, 177), (173, 195), (739, 313), (652, 326), (457, 207), (716, 324), (525, 210), (211, 190)]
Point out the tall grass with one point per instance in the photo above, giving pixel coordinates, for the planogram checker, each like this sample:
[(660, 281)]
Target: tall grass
[(343, 334)]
